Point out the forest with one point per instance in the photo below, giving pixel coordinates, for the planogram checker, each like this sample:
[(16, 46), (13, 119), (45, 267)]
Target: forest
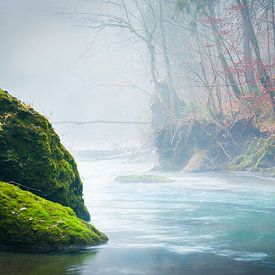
[(208, 59), (137, 137), (211, 65)]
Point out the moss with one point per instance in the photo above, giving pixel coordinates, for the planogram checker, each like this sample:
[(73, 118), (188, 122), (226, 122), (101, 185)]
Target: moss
[(173, 147), (243, 162), (259, 155), (255, 170), (270, 172), (31, 223), (143, 179), (267, 154), (31, 153), (176, 144)]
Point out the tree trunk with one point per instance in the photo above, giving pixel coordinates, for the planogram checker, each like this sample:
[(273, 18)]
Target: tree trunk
[(228, 73), (212, 108), (249, 74), (152, 54), (215, 76), (273, 22), (264, 77), (164, 47), (173, 98), (273, 31)]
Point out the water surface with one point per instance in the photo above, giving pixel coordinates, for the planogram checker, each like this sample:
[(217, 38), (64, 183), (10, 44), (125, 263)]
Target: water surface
[(218, 223)]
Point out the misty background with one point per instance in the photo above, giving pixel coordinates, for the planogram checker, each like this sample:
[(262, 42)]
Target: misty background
[(67, 71)]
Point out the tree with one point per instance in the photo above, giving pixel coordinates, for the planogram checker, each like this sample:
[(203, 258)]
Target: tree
[(264, 77), (140, 18)]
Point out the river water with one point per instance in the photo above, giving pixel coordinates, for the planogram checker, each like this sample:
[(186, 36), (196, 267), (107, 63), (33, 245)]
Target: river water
[(215, 223)]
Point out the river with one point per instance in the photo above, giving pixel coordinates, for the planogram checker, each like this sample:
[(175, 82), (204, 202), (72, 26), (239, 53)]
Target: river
[(215, 223)]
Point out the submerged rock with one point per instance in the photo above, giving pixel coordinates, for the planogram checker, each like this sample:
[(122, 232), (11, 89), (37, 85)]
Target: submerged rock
[(30, 223), (32, 155)]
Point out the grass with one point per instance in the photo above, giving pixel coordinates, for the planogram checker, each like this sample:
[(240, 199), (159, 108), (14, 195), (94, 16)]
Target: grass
[(30, 223), (143, 179)]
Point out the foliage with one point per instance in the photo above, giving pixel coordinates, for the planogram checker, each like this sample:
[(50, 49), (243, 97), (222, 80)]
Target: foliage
[(259, 154), (237, 49), (31, 223), (31, 154)]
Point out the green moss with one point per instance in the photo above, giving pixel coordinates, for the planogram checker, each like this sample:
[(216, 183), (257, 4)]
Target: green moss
[(143, 179), (259, 154), (31, 153), (31, 223), (255, 170), (270, 172), (267, 154), (243, 162)]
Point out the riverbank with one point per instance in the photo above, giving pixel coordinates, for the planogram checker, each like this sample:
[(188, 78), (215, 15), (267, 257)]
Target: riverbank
[(200, 145)]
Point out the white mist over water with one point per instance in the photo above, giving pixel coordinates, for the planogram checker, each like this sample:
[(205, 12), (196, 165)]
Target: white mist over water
[(215, 223), (64, 70), (223, 216)]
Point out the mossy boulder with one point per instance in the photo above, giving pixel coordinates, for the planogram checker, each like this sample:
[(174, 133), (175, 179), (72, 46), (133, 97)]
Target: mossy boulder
[(31, 154), (30, 223), (259, 155)]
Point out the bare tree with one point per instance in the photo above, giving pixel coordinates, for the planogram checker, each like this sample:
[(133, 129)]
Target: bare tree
[(264, 77)]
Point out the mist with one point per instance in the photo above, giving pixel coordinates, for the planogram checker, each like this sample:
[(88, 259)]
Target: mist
[(52, 61), (137, 137)]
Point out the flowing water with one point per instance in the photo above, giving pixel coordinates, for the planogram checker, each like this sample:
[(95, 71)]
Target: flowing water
[(215, 223)]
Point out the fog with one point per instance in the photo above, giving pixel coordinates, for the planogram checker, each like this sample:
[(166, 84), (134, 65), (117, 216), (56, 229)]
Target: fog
[(163, 62), (168, 109), (67, 71)]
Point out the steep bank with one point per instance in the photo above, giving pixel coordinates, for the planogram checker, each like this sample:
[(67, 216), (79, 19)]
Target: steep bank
[(32, 155), (200, 145), (30, 223)]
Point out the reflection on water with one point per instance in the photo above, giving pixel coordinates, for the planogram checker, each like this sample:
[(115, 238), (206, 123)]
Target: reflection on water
[(19, 263), (216, 223)]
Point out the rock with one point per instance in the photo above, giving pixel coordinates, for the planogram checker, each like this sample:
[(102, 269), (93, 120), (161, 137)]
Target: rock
[(43, 226), (32, 155), (259, 157)]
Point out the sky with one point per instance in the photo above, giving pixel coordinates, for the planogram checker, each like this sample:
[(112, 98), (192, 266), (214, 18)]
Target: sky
[(50, 60)]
